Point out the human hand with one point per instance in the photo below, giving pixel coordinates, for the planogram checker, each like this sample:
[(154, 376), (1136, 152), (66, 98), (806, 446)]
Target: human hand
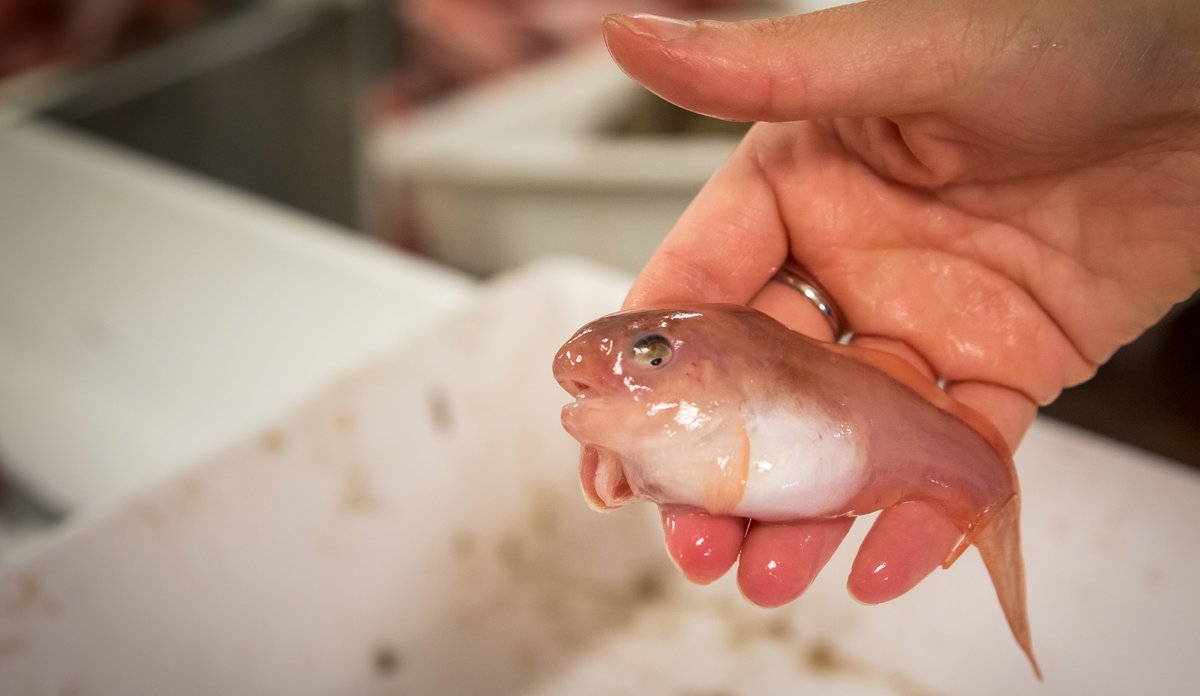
[(1001, 193)]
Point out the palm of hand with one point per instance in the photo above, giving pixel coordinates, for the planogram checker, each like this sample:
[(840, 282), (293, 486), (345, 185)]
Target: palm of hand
[(1024, 283)]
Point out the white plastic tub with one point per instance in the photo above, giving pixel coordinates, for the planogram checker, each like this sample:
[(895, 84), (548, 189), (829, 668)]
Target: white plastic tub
[(148, 317), (517, 168), (418, 528)]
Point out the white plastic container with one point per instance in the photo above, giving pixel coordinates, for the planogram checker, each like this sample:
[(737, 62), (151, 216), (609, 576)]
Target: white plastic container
[(148, 317), (518, 167), (418, 528)]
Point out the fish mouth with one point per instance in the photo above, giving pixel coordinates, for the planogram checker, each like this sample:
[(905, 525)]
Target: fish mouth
[(587, 415), (601, 472), (575, 387), (602, 477)]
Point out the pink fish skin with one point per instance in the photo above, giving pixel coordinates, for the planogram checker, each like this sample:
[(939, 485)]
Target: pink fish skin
[(723, 409)]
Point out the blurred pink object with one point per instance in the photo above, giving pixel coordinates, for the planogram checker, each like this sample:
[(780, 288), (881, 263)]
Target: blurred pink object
[(455, 42), (38, 32)]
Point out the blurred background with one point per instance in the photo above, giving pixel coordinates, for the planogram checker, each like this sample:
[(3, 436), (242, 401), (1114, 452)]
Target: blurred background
[(478, 134), (270, 385)]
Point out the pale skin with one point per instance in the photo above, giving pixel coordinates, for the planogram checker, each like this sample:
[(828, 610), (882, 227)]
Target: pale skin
[(1002, 193)]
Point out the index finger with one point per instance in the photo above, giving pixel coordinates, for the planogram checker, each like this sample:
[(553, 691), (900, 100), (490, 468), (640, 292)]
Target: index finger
[(724, 248)]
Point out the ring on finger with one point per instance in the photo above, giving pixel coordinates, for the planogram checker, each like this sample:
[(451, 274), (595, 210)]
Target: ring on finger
[(799, 279)]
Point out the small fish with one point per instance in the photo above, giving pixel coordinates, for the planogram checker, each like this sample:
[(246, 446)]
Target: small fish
[(723, 409)]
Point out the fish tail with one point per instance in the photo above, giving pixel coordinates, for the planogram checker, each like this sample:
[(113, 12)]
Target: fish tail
[(999, 543)]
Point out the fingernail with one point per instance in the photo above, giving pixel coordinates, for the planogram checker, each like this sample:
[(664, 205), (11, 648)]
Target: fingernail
[(653, 26)]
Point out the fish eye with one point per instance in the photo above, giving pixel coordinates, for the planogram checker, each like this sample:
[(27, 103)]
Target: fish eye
[(652, 351)]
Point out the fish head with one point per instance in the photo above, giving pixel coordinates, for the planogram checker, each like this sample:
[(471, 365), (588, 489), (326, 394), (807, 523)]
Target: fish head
[(651, 388)]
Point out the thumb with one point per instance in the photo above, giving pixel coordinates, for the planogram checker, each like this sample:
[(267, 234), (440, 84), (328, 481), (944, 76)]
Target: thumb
[(867, 59)]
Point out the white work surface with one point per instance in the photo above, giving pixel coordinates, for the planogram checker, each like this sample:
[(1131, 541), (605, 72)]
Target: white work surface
[(418, 528), (148, 317)]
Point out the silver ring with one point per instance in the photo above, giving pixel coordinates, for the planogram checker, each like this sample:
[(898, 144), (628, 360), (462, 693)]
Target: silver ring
[(799, 279)]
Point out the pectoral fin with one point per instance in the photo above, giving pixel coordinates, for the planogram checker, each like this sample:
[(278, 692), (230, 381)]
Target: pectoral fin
[(725, 476)]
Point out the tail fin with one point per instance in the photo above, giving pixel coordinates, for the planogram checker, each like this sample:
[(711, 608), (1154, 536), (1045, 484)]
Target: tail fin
[(999, 543)]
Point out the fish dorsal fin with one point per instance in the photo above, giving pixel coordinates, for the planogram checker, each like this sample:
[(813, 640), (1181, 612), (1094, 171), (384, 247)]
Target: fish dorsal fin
[(903, 372)]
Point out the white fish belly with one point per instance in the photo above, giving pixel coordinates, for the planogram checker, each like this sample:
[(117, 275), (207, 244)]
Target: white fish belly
[(801, 465)]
